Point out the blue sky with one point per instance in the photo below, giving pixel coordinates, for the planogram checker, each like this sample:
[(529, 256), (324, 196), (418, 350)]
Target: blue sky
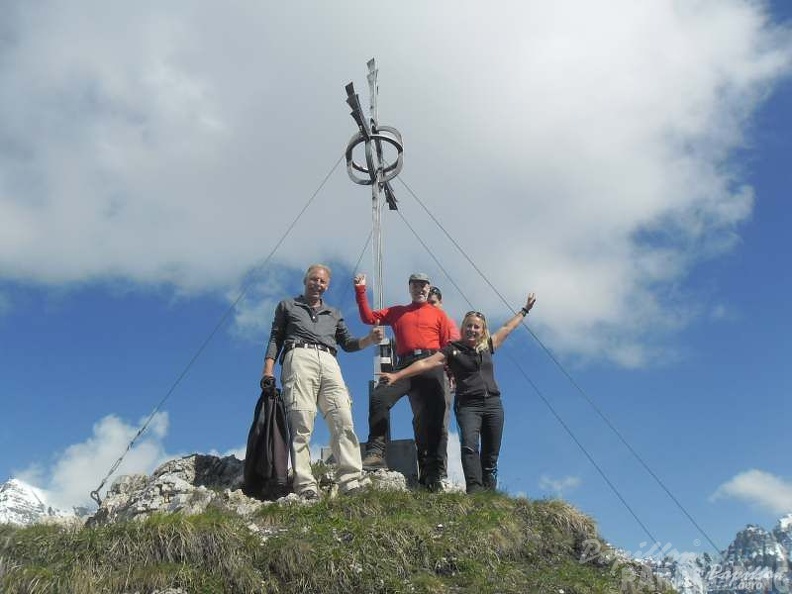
[(629, 164)]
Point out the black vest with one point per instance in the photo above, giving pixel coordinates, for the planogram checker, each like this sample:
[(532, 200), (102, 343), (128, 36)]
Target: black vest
[(472, 370)]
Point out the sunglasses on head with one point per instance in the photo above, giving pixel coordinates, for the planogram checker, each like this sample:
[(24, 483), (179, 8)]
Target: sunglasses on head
[(435, 291), (478, 314)]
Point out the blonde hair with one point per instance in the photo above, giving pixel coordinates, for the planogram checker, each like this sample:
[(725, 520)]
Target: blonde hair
[(483, 342), (313, 267)]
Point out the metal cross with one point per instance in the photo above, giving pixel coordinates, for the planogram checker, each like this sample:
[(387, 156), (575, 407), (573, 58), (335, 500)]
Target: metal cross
[(377, 173)]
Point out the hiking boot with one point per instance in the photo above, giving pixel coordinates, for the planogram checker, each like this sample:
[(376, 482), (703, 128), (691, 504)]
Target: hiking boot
[(309, 495), (433, 485), (490, 481), (374, 460)]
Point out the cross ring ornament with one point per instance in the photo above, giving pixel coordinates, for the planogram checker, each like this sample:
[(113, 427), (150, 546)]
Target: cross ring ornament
[(373, 136)]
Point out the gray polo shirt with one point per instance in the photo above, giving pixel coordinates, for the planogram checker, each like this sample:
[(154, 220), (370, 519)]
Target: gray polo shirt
[(295, 321)]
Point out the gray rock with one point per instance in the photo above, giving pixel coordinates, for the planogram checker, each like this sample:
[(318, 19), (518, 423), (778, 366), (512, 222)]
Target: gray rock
[(187, 485), (191, 484)]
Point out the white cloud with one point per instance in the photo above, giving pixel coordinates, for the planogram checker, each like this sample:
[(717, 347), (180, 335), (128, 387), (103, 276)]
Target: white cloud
[(176, 143), (80, 468), (254, 309), (758, 488), (721, 311), (238, 452), (558, 486)]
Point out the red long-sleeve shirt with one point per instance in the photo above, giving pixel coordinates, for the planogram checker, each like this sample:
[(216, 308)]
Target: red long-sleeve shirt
[(416, 326)]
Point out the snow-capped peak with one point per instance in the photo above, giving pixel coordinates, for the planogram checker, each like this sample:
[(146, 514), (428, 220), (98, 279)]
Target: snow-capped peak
[(22, 504), (755, 561)]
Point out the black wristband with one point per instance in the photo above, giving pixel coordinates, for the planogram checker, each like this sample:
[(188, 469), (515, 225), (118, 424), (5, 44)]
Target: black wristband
[(524, 311)]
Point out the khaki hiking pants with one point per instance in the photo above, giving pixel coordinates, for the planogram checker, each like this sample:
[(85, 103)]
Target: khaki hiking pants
[(312, 379)]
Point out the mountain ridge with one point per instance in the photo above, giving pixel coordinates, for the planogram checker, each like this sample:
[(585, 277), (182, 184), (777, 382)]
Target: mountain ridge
[(757, 560), (22, 504)]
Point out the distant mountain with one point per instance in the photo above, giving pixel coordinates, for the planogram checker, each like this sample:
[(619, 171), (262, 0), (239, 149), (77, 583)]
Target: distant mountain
[(23, 505), (756, 562)]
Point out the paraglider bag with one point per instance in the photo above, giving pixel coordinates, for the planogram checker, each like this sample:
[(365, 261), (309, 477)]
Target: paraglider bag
[(267, 455)]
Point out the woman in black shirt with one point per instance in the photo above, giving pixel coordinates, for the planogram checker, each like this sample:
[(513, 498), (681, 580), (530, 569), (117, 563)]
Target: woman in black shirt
[(477, 404)]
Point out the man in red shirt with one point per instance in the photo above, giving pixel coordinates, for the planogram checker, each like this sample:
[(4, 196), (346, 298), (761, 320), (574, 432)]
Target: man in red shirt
[(420, 330)]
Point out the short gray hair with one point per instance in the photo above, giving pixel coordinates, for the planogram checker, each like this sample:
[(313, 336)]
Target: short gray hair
[(313, 267)]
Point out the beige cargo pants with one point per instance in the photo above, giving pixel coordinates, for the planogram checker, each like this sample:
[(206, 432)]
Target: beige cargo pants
[(312, 379)]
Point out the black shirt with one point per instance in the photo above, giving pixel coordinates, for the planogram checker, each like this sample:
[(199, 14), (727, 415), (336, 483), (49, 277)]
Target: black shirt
[(473, 370)]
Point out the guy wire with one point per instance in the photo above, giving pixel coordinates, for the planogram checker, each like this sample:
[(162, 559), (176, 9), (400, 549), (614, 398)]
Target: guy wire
[(563, 370), (220, 323), (542, 396)]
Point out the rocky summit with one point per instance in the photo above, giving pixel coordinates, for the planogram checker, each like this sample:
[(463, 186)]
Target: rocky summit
[(757, 560), (195, 483), (189, 485)]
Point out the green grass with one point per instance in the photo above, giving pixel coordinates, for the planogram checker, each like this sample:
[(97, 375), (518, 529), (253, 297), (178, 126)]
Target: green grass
[(376, 542)]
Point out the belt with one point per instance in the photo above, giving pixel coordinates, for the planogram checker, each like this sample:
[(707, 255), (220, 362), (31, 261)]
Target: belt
[(309, 345), (410, 356)]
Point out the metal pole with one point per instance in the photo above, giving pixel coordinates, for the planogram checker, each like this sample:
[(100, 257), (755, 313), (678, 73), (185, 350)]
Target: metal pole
[(378, 174), (379, 278)]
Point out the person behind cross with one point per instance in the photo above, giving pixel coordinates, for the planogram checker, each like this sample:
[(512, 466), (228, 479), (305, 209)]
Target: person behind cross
[(436, 298), (420, 330), (478, 407), (306, 332)]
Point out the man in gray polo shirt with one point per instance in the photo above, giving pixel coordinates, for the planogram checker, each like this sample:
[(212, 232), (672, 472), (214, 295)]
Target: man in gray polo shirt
[(306, 332)]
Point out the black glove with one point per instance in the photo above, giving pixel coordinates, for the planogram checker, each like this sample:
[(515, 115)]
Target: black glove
[(267, 383)]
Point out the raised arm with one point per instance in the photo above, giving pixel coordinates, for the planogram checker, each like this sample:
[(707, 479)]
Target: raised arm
[(367, 316), (417, 368), (505, 330)]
